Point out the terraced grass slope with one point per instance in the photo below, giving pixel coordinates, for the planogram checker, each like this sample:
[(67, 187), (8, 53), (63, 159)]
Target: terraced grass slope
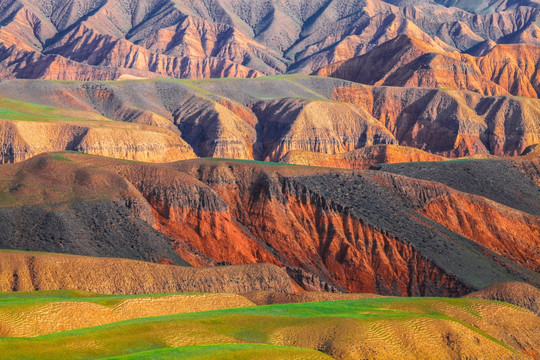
[(331, 229), (229, 351), (43, 312), (386, 328)]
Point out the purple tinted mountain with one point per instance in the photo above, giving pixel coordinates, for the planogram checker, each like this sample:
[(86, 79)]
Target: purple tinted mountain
[(111, 39)]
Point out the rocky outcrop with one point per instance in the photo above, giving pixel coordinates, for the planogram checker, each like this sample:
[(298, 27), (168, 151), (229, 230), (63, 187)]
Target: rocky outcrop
[(316, 126), (450, 123), (24, 139), (505, 231)]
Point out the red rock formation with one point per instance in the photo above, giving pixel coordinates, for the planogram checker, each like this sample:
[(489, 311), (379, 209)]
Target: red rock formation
[(508, 232)]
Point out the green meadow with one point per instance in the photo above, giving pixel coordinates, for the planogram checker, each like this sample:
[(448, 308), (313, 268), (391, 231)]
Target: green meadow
[(284, 331)]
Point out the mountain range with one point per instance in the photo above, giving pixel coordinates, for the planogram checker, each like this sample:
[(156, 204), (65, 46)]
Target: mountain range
[(111, 39), (277, 179)]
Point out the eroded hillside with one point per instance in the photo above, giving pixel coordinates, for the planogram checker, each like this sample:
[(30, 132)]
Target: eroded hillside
[(375, 232), (261, 119), (107, 40)]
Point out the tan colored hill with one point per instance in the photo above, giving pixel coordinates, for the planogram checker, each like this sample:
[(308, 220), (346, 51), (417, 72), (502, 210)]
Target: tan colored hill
[(50, 317), (409, 62), (30, 129), (362, 158), (261, 119), (520, 294), (86, 40), (28, 271)]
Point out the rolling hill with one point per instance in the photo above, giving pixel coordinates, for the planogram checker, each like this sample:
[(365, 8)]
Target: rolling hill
[(387, 328)]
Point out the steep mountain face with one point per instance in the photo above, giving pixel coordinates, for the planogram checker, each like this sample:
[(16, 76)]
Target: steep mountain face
[(409, 62), (105, 40), (261, 119), (377, 232)]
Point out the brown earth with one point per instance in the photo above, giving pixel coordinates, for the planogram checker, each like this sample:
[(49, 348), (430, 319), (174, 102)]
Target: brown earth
[(517, 293), (23, 271)]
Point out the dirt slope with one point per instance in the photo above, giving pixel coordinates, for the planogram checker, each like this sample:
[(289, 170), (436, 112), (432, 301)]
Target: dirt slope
[(26, 271), (520, 294), (362, 158), (260, 119)]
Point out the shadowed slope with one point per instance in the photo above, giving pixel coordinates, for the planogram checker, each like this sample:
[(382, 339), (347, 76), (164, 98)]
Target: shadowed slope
[(409, 62)]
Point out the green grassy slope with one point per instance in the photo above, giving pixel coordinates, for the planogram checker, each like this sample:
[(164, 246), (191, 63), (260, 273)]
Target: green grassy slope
[(228, 351), (338, 328)]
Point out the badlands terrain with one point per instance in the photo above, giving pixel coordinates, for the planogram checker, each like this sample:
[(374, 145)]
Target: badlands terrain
[(269, 179)]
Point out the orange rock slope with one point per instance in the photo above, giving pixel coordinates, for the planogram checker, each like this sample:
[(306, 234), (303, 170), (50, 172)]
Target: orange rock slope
[(362, 158), (410, 62), (372, 233)]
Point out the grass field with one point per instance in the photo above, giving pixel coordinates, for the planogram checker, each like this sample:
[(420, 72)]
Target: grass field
[(25, 111), (377, 328)]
